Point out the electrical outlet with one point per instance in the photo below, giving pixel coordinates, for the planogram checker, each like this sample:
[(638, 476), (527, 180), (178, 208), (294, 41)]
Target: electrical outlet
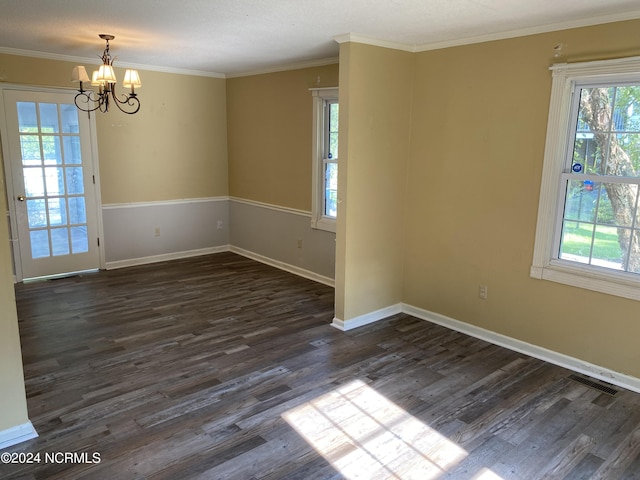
[(157, 232), (219, 224), (483, 292), (299, 243)]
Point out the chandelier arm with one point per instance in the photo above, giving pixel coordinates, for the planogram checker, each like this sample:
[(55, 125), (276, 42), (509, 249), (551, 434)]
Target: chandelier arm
[(87, 98), (104, 102), (131, 100)]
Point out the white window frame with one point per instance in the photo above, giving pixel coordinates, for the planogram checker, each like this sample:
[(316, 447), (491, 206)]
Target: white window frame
[(320, 98), (546, 265)]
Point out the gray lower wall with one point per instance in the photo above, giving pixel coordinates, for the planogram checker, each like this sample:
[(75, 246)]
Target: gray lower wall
[(185, 227), (275, 235)]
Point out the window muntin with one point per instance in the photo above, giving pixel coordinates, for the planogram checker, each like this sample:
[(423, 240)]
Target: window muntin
[(598, 223)]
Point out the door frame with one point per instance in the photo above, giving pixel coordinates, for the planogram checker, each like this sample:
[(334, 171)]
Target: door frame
[(8, 177)]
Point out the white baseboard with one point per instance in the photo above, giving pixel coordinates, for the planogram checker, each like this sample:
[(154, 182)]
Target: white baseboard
[(560, 359), (367, 318), (224, 248), (18, 434), (571, 363), (130, 262), (284, 266)]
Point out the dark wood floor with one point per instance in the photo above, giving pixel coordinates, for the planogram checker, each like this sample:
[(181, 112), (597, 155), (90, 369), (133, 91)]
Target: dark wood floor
[(219, 367)]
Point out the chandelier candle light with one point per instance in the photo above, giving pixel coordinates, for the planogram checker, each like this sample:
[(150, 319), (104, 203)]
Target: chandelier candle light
[(105, 79)]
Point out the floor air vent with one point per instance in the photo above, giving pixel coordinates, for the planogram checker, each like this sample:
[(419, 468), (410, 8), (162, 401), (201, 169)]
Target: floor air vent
[(596, 385)]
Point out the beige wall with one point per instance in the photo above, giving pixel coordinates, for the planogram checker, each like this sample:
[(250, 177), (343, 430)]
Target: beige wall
[(375, 118), (270, 123), (13, 404), (174, 148), (478, 134)]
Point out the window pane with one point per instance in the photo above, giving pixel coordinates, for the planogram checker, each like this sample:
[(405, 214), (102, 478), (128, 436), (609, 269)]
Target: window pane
[(30, 149), (634, 256), (331, 190), (51, 150), (49, 118), (75, 185), (57, 211), (333, 130), (581, 200), (576, 241), (33, 181), (626, 116), (605, 210), (333, 145), (39, 243), (54, 180), (79, 240), (69, 114), (334, 116), (37, 213), (60, 241), (72, 152), (27, 118), (607, 246), (594, 114), (587, 155), (622, 209), (624, 155), (77, 210)]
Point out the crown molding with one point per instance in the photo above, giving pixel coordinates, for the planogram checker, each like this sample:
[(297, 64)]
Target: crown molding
[(357, 38), (94, 61), (521, 32), (283, 68), (178, 71)]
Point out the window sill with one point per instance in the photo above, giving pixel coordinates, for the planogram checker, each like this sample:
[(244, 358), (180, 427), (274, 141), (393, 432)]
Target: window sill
[(590, 278), (324, 223)]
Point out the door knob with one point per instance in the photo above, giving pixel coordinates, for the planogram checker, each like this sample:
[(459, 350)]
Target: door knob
[(20, 198)]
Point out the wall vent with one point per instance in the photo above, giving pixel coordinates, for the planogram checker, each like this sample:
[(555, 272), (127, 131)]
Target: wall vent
[(604, 388)]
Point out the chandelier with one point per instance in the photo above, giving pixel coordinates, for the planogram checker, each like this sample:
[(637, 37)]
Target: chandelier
[(105, 79)]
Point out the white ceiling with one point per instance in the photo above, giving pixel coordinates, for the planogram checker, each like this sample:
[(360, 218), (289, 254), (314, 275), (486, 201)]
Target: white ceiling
[(235, 37)]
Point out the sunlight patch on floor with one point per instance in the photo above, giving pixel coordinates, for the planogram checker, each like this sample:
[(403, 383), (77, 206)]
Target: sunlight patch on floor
[(486, 474), (364, 435)]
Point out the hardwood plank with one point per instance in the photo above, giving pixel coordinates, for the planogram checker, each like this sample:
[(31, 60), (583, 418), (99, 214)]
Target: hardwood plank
[(568, 458), (626, 453)]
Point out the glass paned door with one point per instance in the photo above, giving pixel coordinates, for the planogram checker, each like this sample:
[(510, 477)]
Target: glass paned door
[(52, 174)]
